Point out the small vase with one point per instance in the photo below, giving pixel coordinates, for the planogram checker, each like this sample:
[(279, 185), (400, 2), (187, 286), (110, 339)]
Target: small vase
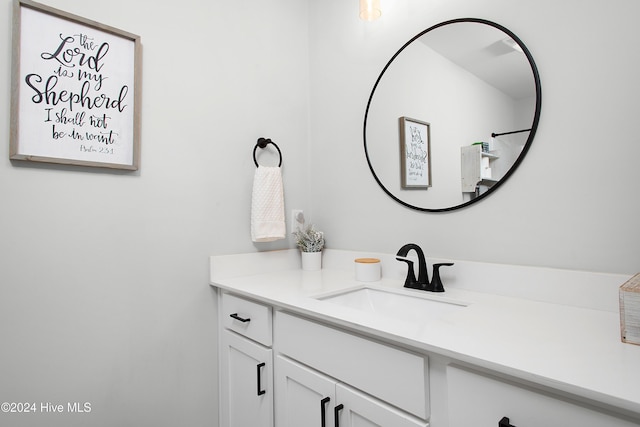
[(311, 261)]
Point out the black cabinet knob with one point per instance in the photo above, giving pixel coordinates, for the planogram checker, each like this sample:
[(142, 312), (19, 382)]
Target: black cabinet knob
[(241, 319), (336, 414), (323, 415), (259, 367), (504, 422)]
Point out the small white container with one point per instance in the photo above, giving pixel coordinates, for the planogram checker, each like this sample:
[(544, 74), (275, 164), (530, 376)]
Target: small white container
[(367, 269), (311, 261)]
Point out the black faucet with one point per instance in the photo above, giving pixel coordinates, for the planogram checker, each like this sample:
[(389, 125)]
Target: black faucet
[(422, 282)]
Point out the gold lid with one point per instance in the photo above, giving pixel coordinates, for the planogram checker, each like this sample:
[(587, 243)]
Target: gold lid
[(367, 260)]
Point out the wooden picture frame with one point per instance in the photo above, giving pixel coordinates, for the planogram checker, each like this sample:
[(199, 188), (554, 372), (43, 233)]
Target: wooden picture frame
[(415, 153), (75, 90)]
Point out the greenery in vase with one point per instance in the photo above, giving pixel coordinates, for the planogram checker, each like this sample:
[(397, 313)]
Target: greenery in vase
[(309, 239)]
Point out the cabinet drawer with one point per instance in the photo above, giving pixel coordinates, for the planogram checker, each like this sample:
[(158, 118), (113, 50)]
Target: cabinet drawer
[(248, 318), (476, 399), (388, 373)]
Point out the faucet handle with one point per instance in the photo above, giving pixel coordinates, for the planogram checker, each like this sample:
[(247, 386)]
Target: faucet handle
[(410, 281), (436, 282)]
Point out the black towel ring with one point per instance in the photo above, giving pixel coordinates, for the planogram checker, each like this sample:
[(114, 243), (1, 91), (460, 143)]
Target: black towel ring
[(262, 143)]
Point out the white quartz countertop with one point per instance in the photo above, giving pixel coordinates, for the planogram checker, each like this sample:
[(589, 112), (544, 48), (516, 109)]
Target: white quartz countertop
[(572, 349)]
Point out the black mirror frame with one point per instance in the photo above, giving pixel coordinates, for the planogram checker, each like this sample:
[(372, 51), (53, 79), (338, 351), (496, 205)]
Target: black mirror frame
[(534, 126)]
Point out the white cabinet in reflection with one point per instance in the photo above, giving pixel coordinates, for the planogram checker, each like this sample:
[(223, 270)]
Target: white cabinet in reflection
[(477, 168)]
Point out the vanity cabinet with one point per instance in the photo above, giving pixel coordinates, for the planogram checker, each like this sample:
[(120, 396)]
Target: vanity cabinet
[(305, 397), (286, 370), (246, 363), (477, 399)]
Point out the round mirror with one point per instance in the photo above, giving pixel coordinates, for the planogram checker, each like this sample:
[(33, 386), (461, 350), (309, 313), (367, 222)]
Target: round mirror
[(452, 115)]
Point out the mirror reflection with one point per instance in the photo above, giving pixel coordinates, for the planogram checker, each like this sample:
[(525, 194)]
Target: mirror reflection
[(452, 115)]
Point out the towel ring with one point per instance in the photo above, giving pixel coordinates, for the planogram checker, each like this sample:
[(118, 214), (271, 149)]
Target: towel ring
[(262, 143)]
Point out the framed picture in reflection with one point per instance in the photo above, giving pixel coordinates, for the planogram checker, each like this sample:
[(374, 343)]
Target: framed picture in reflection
[(415, 153)]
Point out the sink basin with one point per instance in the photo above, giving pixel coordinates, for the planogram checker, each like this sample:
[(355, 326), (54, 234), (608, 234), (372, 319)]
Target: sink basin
[(396, 304)]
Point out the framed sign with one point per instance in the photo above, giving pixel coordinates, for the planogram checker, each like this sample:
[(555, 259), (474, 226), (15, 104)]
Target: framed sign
[(415, 153), (75, 95)]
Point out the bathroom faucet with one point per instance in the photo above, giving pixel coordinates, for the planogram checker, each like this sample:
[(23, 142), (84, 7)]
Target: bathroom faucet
[(422, 282)]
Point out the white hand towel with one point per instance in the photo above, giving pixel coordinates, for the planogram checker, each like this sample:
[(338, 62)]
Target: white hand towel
[(267, 205)]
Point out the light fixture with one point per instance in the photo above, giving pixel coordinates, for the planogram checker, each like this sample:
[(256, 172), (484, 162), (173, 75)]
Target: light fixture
[(370, 10)]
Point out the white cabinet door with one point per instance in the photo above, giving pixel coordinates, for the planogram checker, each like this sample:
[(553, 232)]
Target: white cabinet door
[(479, 400), (307, 398), (246, 392), (304, 397), (360, 410)]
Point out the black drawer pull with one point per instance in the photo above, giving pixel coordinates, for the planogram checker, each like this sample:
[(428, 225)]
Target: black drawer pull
[(258, 368), (336, 414), (504, 422), (242, 319), (323, 415)]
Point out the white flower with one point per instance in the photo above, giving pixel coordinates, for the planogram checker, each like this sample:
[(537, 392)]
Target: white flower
[(309, 239)]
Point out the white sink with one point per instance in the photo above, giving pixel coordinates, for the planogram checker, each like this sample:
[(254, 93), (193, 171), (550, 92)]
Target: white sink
[(397, 304)]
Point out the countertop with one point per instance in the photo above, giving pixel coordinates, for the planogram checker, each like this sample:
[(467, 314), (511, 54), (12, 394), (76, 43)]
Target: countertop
[(571, 349)]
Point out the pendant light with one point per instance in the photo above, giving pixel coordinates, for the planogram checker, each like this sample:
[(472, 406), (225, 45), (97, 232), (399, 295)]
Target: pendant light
[(370, 10)]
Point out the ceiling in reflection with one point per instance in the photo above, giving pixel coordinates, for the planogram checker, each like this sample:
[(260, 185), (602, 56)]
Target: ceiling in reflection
[(491, 56)]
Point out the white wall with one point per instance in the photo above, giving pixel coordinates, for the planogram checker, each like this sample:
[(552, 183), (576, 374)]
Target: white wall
[(572, 203), (104, 294), (103, 276)]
